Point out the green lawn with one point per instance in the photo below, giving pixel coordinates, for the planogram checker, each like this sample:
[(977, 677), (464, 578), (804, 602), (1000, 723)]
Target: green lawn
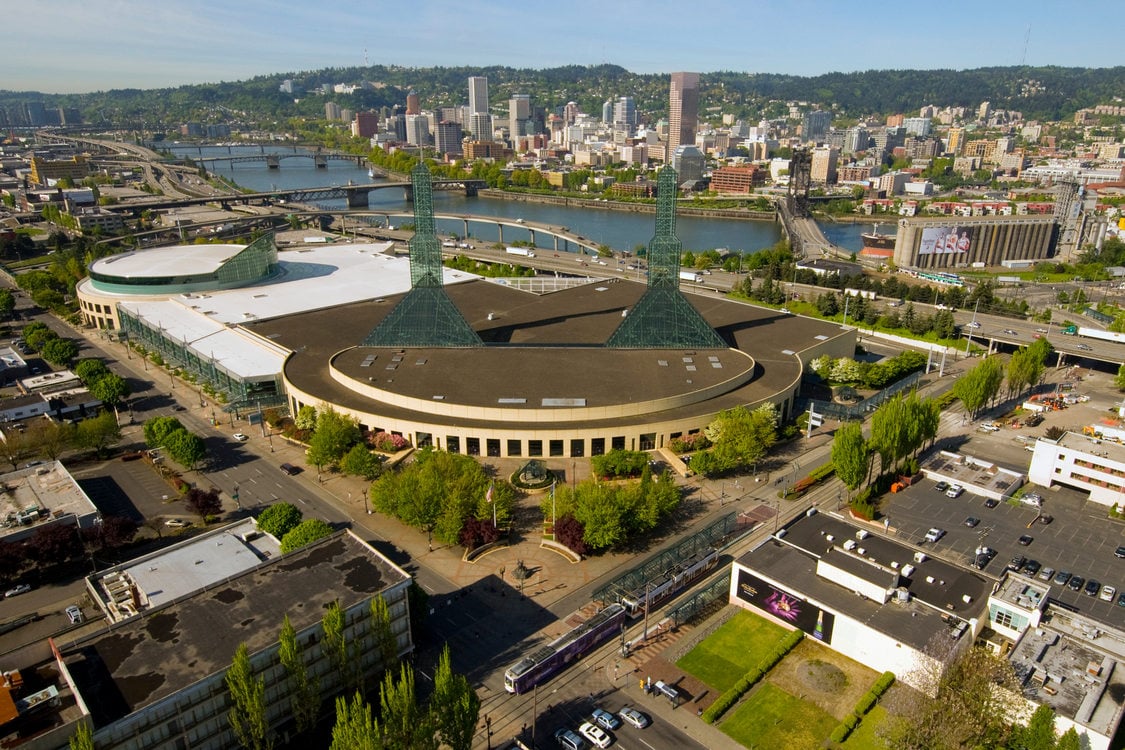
[(772, 718), (726, 655), (864, 738)]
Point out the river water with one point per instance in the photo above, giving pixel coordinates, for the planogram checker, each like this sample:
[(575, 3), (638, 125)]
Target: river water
[(620, 230)]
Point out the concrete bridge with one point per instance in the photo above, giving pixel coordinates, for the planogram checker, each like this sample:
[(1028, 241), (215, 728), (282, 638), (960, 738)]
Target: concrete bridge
[(561, 237), (805, 237), (273, 160)]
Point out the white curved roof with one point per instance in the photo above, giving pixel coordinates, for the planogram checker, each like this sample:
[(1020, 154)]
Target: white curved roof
[(177, 260)]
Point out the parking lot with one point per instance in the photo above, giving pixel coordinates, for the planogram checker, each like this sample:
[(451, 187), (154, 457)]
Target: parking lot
[(1078, 540)]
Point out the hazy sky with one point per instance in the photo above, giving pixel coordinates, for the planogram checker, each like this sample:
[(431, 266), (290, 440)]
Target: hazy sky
[(62, 46)]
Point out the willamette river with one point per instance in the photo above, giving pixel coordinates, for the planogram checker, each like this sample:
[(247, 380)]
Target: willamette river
[(621, 230)]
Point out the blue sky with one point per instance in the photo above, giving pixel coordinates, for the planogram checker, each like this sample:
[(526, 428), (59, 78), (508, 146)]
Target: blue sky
[(63, 46)]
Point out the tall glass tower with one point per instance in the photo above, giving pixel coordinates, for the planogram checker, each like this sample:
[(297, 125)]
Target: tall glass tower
[(683, 110)]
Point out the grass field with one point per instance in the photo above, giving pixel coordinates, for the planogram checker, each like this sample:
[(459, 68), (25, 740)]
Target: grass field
[(864, 737), (772, 718), (731, 651)]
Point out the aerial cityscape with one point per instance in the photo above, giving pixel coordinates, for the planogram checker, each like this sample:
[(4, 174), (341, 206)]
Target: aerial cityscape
[(355, 396)]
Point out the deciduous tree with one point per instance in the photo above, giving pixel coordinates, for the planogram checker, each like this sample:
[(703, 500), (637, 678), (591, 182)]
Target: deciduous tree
[(60, 352), (248, 703), (185, 448), (158, 428), (454, 705), (304, 691), (305, 533), (98, 433), (355, 728), (279, 519), (203, 503), (850, 456)]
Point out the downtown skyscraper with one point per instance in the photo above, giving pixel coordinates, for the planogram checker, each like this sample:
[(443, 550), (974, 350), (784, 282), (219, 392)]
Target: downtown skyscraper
[(478, 95), (683, 110)]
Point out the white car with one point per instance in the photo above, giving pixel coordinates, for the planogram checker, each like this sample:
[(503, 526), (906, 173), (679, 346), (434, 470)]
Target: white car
[(954, 491), (22, 588), (597, 736), (1107, 593), (634, 717), (75, 614), (240, 437), (176, 523), (934, 534)]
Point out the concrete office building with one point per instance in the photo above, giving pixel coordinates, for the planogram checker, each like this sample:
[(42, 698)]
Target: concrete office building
[(683, 111), (480, 126), (822, 169), (478, 95), (187, 640), (814, 125), (447, 137), (1085, 462), (519, 112)]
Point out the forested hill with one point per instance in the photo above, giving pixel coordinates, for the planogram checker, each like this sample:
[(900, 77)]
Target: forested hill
[(1044, 93)]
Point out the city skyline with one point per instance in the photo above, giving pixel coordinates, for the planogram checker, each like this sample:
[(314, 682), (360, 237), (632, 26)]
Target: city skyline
[(70, 47)]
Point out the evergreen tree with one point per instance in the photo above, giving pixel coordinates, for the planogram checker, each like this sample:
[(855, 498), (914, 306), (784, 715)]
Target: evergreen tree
[(248, 703)]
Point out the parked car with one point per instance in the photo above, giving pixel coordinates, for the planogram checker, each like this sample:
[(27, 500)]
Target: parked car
[(1076, 583), (1046, 574), (596, 735), (568, 739), (991, 502), (176, 523), (639, 720), (941, 486), (1107, 593), (972, 521), (1062, 578), (240, 437), (954, 491), (605, 719), (1121, 599), (290, 469), (74, 614), (1016, 562), (982, 557), (1031, 567), (934, 534), (1119, 552), (22, 588), (1045, 519), (1093, 588), (1025, 540)]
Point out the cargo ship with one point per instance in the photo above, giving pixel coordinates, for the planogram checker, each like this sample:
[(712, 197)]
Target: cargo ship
[(876, 245)]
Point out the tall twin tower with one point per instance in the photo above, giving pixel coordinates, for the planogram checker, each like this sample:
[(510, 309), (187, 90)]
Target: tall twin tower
[(662, 318)]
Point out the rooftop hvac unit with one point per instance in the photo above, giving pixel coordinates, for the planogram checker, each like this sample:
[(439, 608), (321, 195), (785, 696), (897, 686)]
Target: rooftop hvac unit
[(860, 551), (810, 512), (894, 564), (929, 579), (849, 544), (830, 538), (966, 598), (919, 557), (902, 595), (861, 534), (781, 533), (907, 570)]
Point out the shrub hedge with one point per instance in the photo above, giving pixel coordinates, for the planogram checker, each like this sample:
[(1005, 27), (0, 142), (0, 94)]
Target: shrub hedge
[(748, 680), (866, 701)]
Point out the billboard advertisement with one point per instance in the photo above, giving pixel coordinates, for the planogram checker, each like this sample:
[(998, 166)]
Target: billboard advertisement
[(937, 240), (787, 607)]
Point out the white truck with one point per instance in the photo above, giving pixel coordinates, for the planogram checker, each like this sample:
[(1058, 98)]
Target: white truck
[(1095, 333), (691, 276), (520, 251)]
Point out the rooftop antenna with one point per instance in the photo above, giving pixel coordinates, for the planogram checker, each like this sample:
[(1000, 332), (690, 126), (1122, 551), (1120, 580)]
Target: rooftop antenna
[(1026, 40), (368, 65)]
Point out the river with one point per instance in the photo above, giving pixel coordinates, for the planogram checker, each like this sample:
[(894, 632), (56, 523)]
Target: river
[(620, 230)]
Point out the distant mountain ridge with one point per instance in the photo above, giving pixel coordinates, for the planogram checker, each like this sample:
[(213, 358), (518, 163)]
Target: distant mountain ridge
[(1044, 93)]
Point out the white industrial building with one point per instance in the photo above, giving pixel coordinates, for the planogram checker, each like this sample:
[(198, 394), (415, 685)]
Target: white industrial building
[(1086, 462)]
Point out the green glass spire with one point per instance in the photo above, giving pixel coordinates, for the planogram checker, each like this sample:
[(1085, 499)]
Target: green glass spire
[(426, 316), (662, 317)]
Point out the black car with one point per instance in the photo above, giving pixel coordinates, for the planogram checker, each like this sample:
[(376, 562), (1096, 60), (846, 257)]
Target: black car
[(991, 502), (1045, 519), (1025, 540), (1093, 588), (1031, 568), (1119, 552), (1017, 562), (1076, 583), (983, 557), (971, 521), (941, 487)]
